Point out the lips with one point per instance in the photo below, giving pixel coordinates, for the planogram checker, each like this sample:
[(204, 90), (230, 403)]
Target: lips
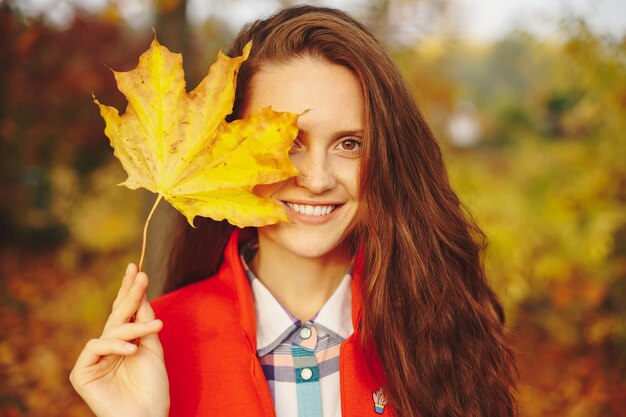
[(312, 210), (312, 213)]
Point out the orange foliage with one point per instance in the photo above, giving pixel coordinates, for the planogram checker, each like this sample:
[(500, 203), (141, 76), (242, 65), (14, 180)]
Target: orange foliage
[(47, 311), (547, 184)]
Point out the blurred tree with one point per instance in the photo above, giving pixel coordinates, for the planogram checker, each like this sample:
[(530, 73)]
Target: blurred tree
[(404, 21), (47, 118), (547, 182), (58, 205), (555, 212), (173, 30)]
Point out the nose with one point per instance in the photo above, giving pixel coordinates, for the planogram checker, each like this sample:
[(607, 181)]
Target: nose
[(316, 173)]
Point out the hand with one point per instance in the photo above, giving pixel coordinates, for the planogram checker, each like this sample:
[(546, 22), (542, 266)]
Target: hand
[(122, 373)]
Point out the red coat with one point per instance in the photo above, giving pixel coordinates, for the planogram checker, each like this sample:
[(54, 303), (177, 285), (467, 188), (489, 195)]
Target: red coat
[(209, 340)]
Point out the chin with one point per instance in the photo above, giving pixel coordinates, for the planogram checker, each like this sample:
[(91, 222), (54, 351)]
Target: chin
[(309, 244), (312, 249)]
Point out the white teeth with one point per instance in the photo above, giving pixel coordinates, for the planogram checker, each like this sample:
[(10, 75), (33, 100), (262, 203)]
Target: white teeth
[(311, 210)]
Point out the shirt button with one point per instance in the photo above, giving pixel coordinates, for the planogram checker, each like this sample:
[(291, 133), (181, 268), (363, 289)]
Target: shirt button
[(305, 332), (306, 374)]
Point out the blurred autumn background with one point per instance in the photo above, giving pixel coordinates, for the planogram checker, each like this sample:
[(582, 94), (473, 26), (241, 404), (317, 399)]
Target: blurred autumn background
[(531, 117)]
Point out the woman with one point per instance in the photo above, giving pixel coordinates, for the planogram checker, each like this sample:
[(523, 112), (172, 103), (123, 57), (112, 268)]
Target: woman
[(373, 300)]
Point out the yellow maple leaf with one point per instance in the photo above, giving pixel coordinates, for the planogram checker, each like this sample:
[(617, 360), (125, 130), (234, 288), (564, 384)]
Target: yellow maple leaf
[(177, 144)]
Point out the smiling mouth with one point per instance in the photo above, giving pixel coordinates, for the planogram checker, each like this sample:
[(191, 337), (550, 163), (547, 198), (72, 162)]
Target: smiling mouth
[(309, 210)]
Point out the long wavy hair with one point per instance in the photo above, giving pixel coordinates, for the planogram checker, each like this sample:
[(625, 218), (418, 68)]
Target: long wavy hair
[(428, 312)]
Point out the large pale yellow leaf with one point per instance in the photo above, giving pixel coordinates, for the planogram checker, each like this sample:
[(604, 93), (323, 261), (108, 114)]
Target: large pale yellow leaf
[(178, 145)]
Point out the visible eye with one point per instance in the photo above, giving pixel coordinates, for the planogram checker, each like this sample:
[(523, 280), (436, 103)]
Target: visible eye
[(351, 145)]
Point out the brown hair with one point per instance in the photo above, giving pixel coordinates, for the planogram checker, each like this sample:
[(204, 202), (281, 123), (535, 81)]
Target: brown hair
[(428, 311)]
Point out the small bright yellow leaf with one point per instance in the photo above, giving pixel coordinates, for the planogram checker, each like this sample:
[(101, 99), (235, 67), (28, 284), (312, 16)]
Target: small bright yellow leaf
[(178, 145)]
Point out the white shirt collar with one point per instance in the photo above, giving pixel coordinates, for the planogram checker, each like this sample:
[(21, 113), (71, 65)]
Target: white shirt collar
[(274, 323)]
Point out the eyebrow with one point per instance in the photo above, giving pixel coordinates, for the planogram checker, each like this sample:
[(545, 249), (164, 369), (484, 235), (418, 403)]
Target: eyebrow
[(350, 132), (355, 132)]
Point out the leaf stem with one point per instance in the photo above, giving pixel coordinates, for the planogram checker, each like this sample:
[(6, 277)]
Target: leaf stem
[(145, 230)]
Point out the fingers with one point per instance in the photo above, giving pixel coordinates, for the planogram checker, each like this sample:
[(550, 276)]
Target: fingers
[(116, 341), (145, 311), (150, 341), (131, 331), (127, 283), (96, 348), (119, 334), (126, 308)]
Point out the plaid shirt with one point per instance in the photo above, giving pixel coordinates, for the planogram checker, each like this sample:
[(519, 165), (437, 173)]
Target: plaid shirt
[(301, 359)]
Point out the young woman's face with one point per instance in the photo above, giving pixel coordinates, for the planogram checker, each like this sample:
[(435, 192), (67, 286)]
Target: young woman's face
[(322, 201)]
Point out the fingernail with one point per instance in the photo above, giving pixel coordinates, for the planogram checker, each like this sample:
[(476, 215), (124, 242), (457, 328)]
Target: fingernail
[(129, 347), (128, 268), (153, 323)]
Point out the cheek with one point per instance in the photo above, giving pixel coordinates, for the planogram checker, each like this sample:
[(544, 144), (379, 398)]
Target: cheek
[(348, 174), (268, 190)]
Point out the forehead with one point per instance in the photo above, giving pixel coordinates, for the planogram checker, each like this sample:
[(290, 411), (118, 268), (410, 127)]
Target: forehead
[(330, 93)]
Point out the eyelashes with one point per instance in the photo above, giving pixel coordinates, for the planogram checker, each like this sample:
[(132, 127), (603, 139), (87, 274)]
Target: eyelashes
[(349, 145), (354, 145)]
